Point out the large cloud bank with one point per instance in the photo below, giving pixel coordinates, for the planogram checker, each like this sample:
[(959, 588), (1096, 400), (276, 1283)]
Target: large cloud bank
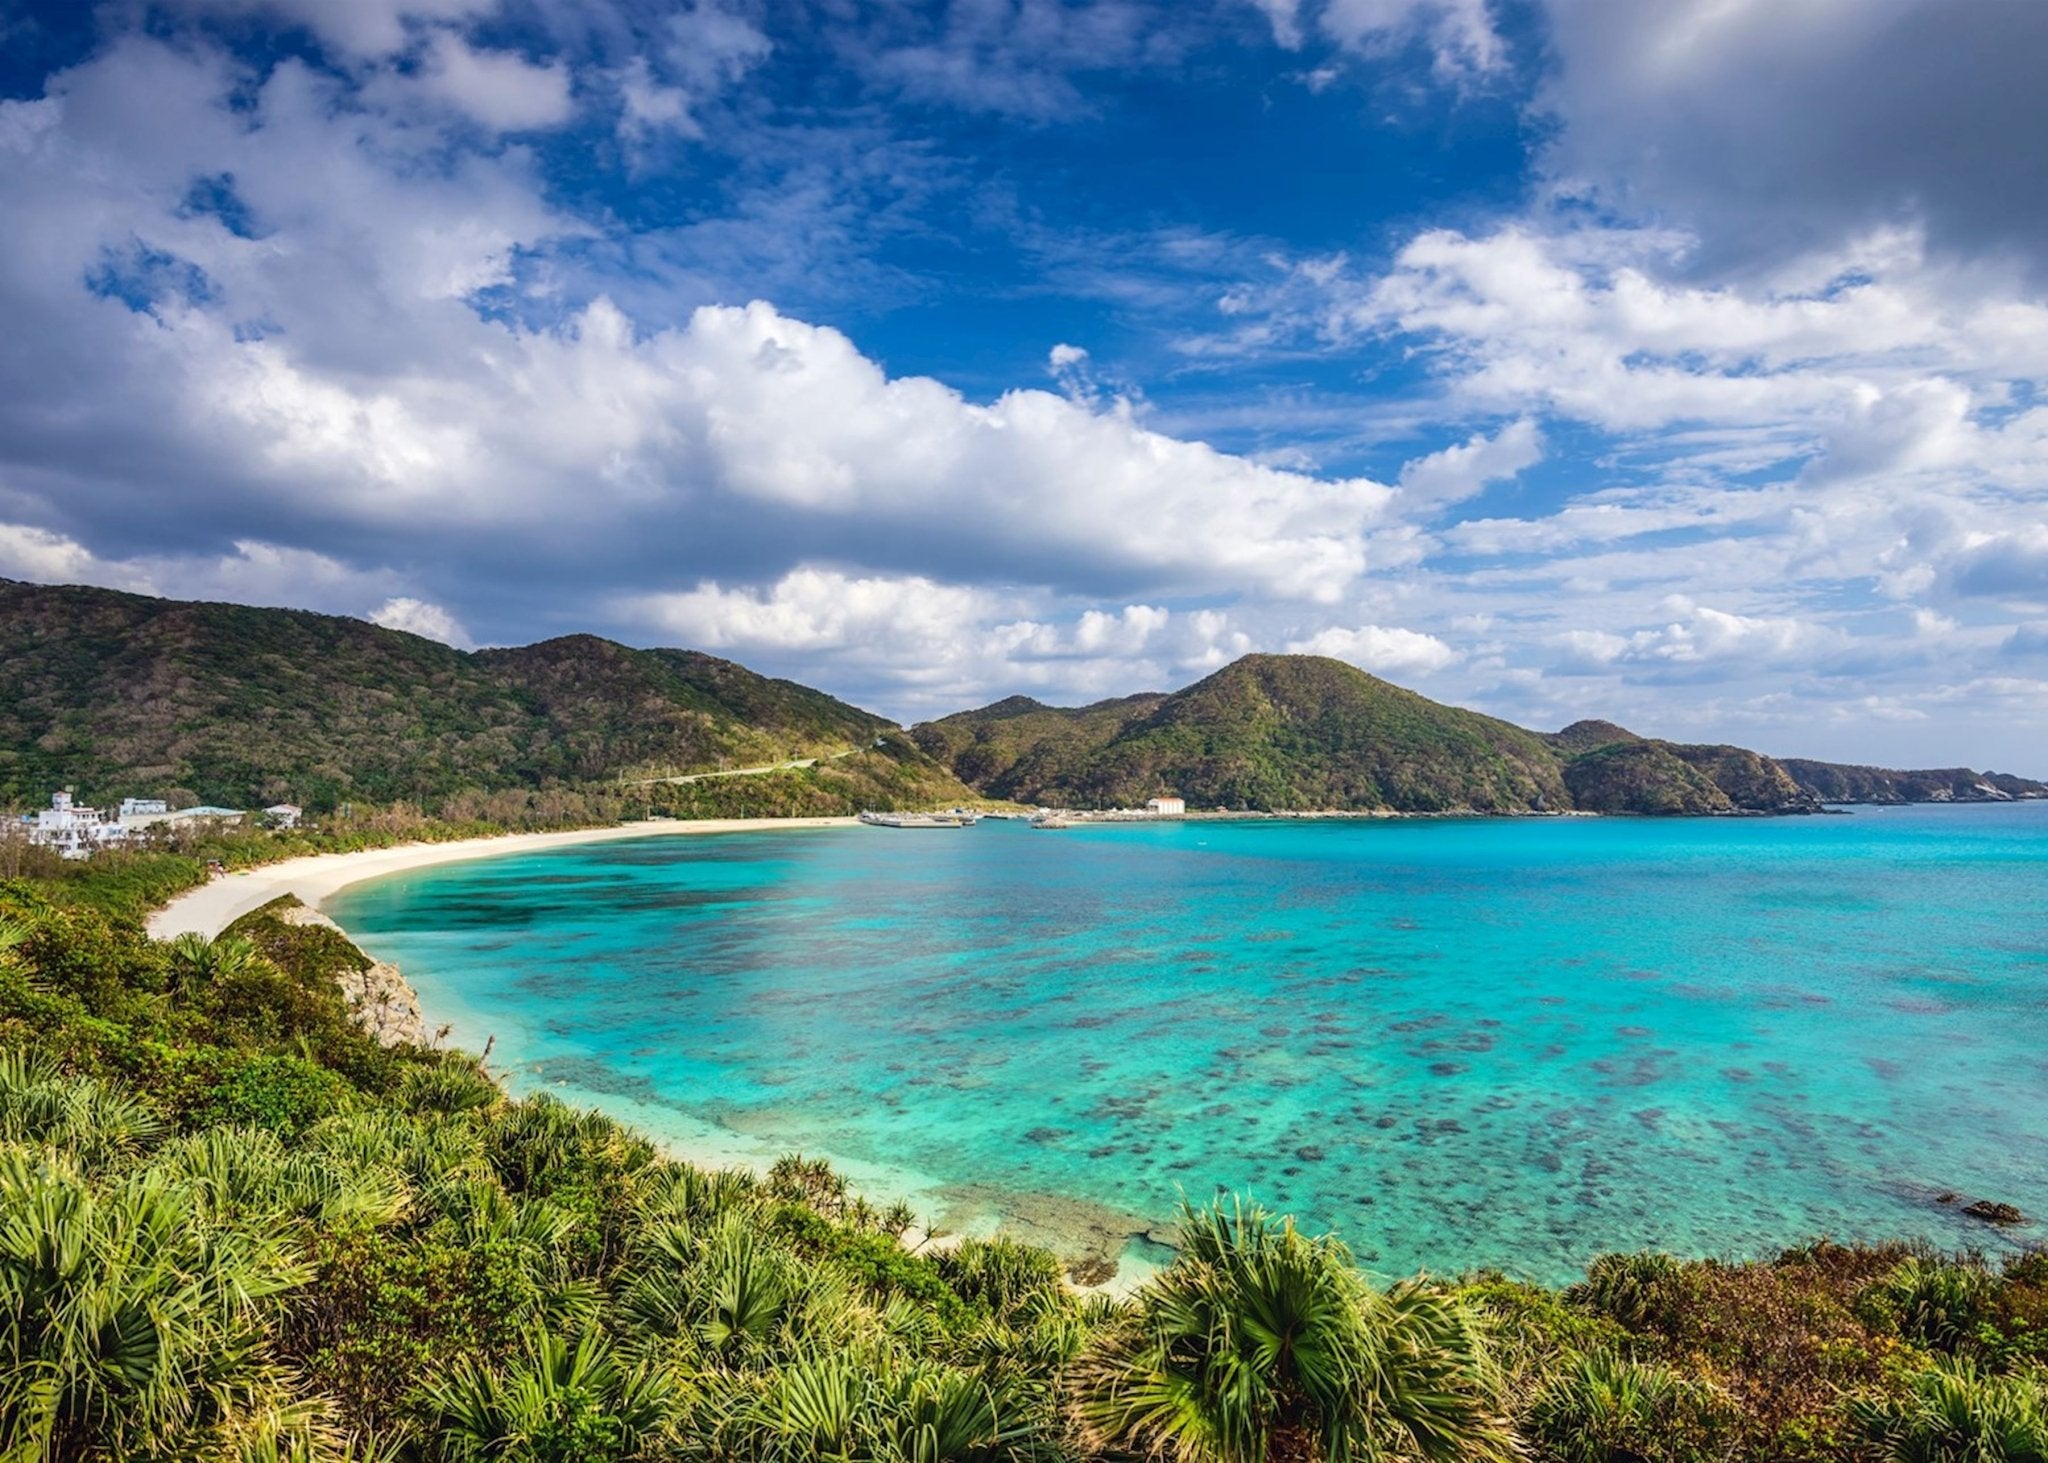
[(1712, 433)]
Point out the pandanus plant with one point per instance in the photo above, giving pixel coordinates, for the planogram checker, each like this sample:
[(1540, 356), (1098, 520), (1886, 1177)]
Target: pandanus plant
[(198, 961), (93, 1123), (1601, 1407), (1261, 1343), (247, 1177), (1954, 1413), (837, 1409), (726, 1290), (562, 1402), (130, 1324)]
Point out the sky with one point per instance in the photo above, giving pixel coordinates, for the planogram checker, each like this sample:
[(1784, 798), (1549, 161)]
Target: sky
[(1678, 364)]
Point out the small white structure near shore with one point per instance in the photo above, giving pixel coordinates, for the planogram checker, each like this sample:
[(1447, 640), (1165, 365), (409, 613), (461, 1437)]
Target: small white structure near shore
[(1166, 807), (283, 815)]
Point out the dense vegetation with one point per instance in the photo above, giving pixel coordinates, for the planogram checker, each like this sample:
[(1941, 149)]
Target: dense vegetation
[(1273, 732), (124, 695), (233, 1227)]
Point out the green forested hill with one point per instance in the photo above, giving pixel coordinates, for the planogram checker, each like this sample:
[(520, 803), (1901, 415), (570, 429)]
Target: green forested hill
[(1020, 742), (124, 694), (1269, 731), (1303, 732), (121, 694)]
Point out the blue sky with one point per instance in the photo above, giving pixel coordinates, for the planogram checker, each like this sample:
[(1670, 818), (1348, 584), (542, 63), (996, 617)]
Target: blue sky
[(1676, 364)]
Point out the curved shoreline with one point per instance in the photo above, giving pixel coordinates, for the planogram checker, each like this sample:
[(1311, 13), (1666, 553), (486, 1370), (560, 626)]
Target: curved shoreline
[(314, 878), (1058, 1220)]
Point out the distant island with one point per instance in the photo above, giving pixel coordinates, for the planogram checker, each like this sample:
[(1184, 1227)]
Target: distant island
[(124, 695)]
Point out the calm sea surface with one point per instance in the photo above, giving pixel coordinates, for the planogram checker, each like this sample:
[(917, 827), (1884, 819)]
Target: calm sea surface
[(1507, 1042)]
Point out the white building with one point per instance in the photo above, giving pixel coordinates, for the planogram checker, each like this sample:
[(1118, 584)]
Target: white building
[(226, 817), (74, 831), (132, 808), (1166, 807), (283, 815), (151, 814)]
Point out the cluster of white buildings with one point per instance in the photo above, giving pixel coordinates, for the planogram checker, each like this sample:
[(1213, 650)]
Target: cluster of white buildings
[(76, 831)]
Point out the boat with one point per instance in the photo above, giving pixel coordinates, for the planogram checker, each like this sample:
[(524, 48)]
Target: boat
[(918, 820)]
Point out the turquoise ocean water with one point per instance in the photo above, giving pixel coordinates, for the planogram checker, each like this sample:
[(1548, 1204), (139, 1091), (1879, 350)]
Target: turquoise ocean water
[(1456, 1042)]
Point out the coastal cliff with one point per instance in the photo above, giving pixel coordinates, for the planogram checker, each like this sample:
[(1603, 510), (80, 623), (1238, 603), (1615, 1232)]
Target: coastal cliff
[(380, 1000)]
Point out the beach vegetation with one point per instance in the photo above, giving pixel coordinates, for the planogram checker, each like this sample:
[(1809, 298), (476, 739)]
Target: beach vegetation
[(1604, 1407), (233, 1226)]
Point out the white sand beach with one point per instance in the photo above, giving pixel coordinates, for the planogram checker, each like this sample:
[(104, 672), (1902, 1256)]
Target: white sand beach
[(212, 907)]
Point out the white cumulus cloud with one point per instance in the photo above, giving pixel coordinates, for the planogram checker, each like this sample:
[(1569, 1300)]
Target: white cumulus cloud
[(503, 91), (1384, 650), (420, 617)]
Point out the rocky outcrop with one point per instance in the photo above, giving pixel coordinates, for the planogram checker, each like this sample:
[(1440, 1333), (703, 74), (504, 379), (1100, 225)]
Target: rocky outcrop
[(385, 1005), (1993, 1212)]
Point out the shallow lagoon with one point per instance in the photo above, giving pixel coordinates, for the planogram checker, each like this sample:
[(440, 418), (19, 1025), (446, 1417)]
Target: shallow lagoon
[(1457, 1042)]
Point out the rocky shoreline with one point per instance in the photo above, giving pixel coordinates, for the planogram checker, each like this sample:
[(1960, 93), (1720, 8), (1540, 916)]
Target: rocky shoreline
[(384, 1003)]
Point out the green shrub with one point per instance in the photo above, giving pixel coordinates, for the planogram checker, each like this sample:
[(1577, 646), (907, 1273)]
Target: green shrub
[(876, 1262), (1955, 1414), (1644, 1291), (998, 1274), (130, 1325), (1931, 1303), (386, 1306), (1532, 1328), (280, 1092), (560, 1402), (1600, 1407), (447, 1086)]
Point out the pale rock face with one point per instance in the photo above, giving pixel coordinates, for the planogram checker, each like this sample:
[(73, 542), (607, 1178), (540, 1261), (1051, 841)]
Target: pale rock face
[(384, 1004)]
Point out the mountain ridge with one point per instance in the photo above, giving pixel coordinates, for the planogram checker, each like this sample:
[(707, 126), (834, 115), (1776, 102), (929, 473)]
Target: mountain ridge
[(121, 694), (1242, 738)]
